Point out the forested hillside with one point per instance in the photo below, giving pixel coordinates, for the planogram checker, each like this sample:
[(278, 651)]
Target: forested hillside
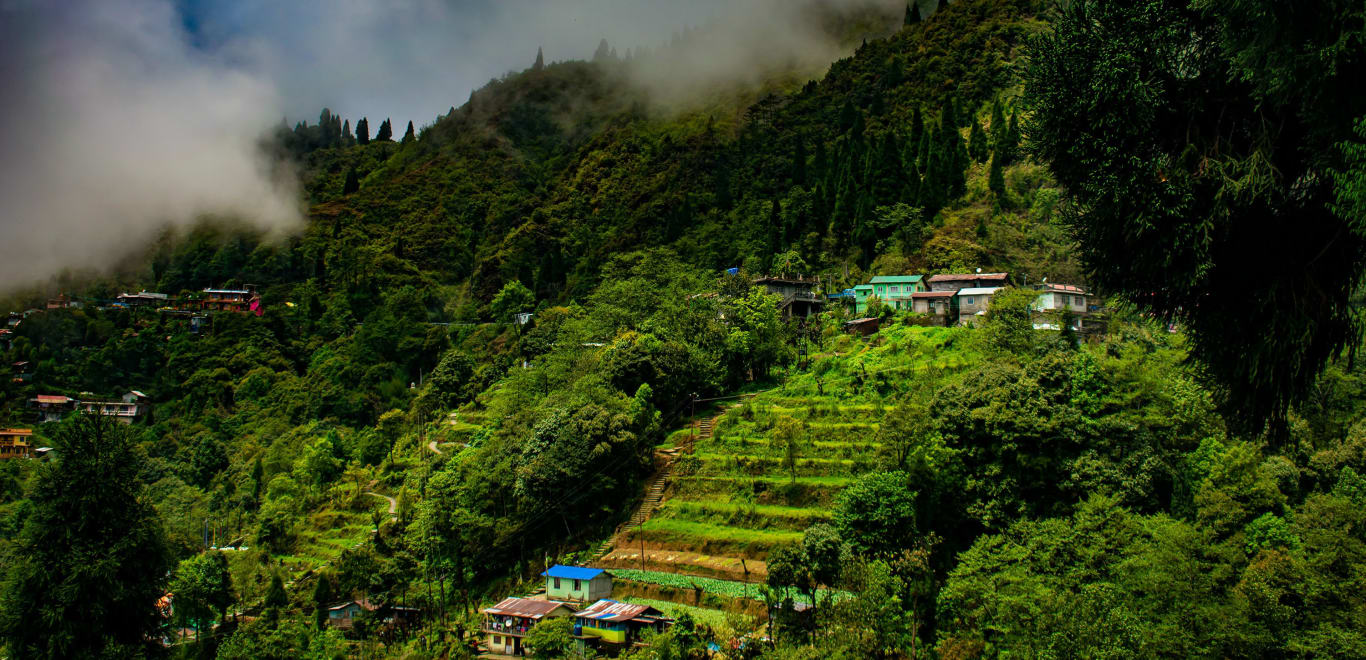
[(495, 330)]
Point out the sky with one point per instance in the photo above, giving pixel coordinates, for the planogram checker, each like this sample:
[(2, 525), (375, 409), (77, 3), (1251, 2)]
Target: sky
[(119, 117)]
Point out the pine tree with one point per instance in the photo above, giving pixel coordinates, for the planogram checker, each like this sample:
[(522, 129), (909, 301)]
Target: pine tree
[(276, 599), (540, 61), (998, 127), (352, 183), (363, 131), (799, 163), (996, 181), (322, 597), (347, 138), (1012, 143), (386, 132), (603, 52), (978, 148), (408, 135), (912, 14)]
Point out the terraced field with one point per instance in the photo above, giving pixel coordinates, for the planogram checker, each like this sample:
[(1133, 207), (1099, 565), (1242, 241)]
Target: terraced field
[(743, 491)]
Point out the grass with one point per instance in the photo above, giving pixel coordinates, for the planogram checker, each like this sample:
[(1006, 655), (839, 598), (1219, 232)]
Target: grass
[(715, 506), (708, 617), (727, 588), (676, 527), (779, 480)]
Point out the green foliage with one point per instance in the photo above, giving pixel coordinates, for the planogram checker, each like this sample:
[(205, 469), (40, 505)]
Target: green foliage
[(551, 638), (877, 514), (1174, 213), (83, 577), (202, 589)]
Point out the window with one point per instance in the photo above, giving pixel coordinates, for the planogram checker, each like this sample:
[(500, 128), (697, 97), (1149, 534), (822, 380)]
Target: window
[(968, 300), (557, 583), (895, 289), (497, 639), (1079, 300), (576, 585)]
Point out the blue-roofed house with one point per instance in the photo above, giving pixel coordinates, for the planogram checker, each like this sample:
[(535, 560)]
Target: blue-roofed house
[(577, 583)]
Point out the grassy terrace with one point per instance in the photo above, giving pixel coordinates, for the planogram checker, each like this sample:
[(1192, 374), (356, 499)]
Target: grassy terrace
[(736, 498)]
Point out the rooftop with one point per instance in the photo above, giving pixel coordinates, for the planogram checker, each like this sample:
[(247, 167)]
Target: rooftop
[(933, 294), (955, 277), (524, 607), (896, 279), (573, 572), (16, 431), (979, 291), (611, 610), (1063, 288), (52, 398)]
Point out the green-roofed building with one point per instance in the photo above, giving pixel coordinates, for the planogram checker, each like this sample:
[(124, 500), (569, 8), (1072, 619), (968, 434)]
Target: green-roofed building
[(896, 290), (862, 293)]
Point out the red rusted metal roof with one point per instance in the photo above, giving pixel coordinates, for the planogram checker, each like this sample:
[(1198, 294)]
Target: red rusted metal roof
[(957, 277), (49, 398), (933, 294), (525, 608)]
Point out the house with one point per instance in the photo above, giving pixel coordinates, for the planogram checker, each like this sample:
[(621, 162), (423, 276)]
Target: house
[(864, 326), (130, 407), (16, 443), (62, 301), (343, 615), (508, 622), (577, 583), (973, 302), (6, 338), (862, 294), (15, 318), (23, 371), (144, 299), (612, 622), (845, 297), (956, 281), (940, 305), (229, 300), (895, 290), (797, 296), (52, 407), (1059, 297)]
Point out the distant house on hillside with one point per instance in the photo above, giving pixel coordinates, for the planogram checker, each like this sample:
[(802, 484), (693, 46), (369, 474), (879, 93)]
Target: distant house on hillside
[(16, 443), (864, 326), (942, 305), (577, 583), (508, 622), (863, 293), (797, 294), (63, 301), (615, 623), (228, 300), (144, 299), (895, 290), (343, 615), (23, 371), (1060, 298), (956, 281), (52, 407), (131, 406), (973, 302)]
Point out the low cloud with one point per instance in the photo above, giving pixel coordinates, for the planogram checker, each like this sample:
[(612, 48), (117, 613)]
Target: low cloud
[(114, 125), (123, 116)]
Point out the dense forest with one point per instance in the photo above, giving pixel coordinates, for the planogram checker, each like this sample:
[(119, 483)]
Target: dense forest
[(497, 332)]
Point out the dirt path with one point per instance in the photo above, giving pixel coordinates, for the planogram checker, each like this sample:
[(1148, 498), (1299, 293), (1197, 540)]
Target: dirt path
[(432, 446), (393, 503), (681, 561)]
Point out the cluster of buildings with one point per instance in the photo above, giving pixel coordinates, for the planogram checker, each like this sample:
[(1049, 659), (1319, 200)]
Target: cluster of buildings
[(18, 443), (209, 300), (959, 298), (605, 624), (126, 409)]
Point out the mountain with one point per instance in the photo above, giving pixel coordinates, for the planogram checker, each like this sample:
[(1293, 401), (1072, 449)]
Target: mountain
[(529, 333)]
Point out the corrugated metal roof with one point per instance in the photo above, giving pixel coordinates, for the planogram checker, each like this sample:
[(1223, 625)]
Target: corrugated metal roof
[(572, 572), (50, 398), (979, 291), (896, 279), (933, 294), (525, 607), (611, 610), (955, 277), (1064, 288)]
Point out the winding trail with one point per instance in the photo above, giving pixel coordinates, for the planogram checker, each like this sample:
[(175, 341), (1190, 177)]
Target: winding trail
[(393, 503), (432, 446)]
